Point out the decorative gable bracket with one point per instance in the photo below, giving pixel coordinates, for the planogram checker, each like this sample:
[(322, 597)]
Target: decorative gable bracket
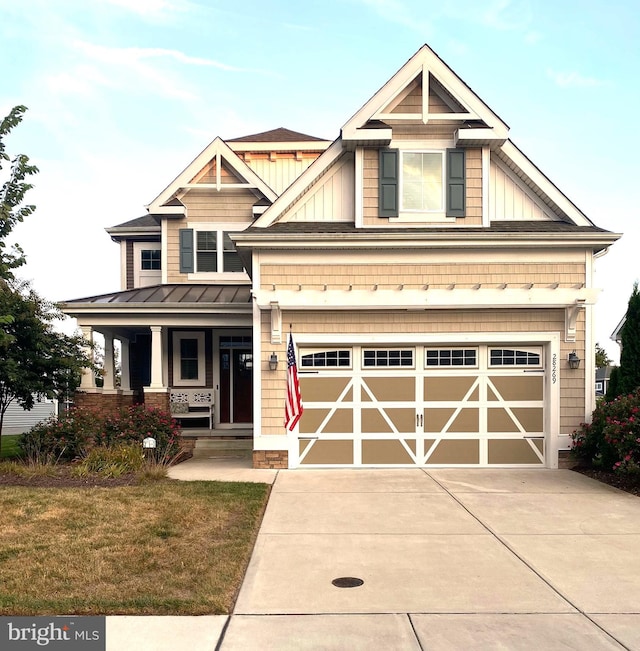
[(571, 313)]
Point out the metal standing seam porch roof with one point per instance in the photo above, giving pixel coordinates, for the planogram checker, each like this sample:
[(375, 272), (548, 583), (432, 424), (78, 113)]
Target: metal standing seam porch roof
[(181, 294)]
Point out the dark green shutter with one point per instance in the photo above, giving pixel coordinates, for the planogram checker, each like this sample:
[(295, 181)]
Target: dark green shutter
[(186, 250), (456, 183), (388, 187)]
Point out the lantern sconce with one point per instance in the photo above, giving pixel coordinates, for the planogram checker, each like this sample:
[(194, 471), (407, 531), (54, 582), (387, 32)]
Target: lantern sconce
[(574, 360), (273, 362)]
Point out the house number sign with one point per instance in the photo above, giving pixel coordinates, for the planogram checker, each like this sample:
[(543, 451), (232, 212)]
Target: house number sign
[(554, 368)]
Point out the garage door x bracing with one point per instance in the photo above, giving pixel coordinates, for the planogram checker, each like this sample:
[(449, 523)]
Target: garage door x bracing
[(446, 406)]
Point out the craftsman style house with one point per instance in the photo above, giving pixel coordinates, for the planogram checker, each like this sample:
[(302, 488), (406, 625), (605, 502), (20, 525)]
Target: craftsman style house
[(438, 286)]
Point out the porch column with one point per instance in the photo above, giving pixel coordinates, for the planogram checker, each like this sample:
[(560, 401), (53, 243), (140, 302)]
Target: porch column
[(125, 379), (109, 364), (156, 358), (87, 379)]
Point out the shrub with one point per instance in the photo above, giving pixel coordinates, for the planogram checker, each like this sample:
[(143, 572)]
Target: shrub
[(612, 440), (75, 433), (111, 461)]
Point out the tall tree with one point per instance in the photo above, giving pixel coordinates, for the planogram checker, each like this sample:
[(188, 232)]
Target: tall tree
[(629, 374), (602, 359), (14, 188), (35, 359)]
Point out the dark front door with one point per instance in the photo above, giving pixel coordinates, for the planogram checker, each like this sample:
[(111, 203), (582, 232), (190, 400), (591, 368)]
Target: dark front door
[(236, 385), (242, 386)]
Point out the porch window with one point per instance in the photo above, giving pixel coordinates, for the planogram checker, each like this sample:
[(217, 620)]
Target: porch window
[(188, 359)]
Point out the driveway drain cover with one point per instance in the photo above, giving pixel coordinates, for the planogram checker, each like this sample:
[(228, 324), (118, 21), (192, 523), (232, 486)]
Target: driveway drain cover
[(347, 582)]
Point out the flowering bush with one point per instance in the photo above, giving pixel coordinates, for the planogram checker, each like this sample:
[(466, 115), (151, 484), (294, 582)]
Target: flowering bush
[(75, 433), (612, 440)]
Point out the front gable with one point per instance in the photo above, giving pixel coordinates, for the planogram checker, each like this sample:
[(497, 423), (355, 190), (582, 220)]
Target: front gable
[(454, 163)]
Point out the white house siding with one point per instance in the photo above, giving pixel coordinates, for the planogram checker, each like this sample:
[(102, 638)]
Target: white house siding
[(18, 420), (281, 170), (510, 199), (331, 198)]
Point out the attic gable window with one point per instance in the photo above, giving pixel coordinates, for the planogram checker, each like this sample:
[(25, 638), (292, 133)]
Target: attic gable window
[(422, 179)]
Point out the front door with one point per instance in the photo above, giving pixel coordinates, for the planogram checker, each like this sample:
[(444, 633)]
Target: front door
[(236, 385)]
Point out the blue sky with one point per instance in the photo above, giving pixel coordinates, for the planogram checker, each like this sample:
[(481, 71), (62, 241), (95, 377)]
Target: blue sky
[(123, 94)]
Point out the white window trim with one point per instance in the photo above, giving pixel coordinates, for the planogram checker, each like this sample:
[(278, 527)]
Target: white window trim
[(536, 350), (145, 277), (220, 228), (451, 366), (313, 351), (388, 366), (201, 379)]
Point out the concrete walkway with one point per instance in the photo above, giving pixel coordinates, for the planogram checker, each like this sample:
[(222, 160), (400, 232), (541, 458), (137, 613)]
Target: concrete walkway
[(449, 559)]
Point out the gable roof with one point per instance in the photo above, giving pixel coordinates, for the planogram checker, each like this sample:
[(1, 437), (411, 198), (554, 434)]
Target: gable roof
[(219, 151), (276, 135), (426, 65), (370, 126)]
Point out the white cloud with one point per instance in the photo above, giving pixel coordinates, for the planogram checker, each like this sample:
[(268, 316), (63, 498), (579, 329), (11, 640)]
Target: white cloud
[(129, 55), (149, 8), (573, 79)]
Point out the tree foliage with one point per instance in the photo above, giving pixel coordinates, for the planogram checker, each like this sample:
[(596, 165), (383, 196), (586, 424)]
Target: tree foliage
[(629, 374), (14, 188), (35, 359), (602, 359)]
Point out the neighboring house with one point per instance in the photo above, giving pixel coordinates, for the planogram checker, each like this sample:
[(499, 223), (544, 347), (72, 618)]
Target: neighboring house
[(435, 281), (602, 380), (18, 420)]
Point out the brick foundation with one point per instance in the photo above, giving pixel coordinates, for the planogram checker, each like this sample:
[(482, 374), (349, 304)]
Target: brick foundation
[(276, 459), (105, 401), (565, 460), (157, 400)]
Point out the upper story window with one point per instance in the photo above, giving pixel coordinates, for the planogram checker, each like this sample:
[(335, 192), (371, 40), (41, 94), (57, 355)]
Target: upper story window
[(150, 260), (422, 181), (205, 250)]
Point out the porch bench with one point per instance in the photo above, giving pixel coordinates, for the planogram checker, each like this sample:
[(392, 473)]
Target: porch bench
[(191, 403)]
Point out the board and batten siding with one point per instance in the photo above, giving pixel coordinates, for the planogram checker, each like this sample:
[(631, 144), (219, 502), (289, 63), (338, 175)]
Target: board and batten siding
[(509, 200), (206, 206), (279, 171), (331, 198), (424, 323)]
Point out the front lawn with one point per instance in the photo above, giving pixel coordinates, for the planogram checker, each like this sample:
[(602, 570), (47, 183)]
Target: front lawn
[(9, 446), (162, 548)]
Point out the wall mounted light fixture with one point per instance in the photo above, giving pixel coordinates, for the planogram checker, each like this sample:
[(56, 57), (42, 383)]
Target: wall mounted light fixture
[(574, 360), (273, 362)]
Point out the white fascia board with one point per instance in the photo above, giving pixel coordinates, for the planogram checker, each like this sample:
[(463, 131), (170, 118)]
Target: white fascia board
[(411, 299), (425, 60), (327, 158), (218, 146), (168, 211), (494, 137), (545, 184), (303, 145), (418, 240)]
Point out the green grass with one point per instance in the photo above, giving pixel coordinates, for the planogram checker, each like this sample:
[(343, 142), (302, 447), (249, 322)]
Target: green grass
[(162, 548), (9, 447)]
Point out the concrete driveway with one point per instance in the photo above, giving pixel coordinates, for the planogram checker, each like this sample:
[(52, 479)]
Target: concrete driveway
[(449, 559)]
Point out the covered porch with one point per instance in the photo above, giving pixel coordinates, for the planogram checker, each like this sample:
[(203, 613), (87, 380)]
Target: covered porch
[(186, 349)]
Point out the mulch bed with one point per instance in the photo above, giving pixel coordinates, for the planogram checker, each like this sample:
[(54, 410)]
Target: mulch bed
[(627, 483), (62, 477)]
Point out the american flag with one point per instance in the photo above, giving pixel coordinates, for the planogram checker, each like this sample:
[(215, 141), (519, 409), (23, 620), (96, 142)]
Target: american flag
[(293, 404)]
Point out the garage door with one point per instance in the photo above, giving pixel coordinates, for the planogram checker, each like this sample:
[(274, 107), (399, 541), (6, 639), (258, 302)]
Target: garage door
[(426, 406)]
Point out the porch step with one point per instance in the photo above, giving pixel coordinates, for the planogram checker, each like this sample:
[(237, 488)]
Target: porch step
[(207, 448)]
